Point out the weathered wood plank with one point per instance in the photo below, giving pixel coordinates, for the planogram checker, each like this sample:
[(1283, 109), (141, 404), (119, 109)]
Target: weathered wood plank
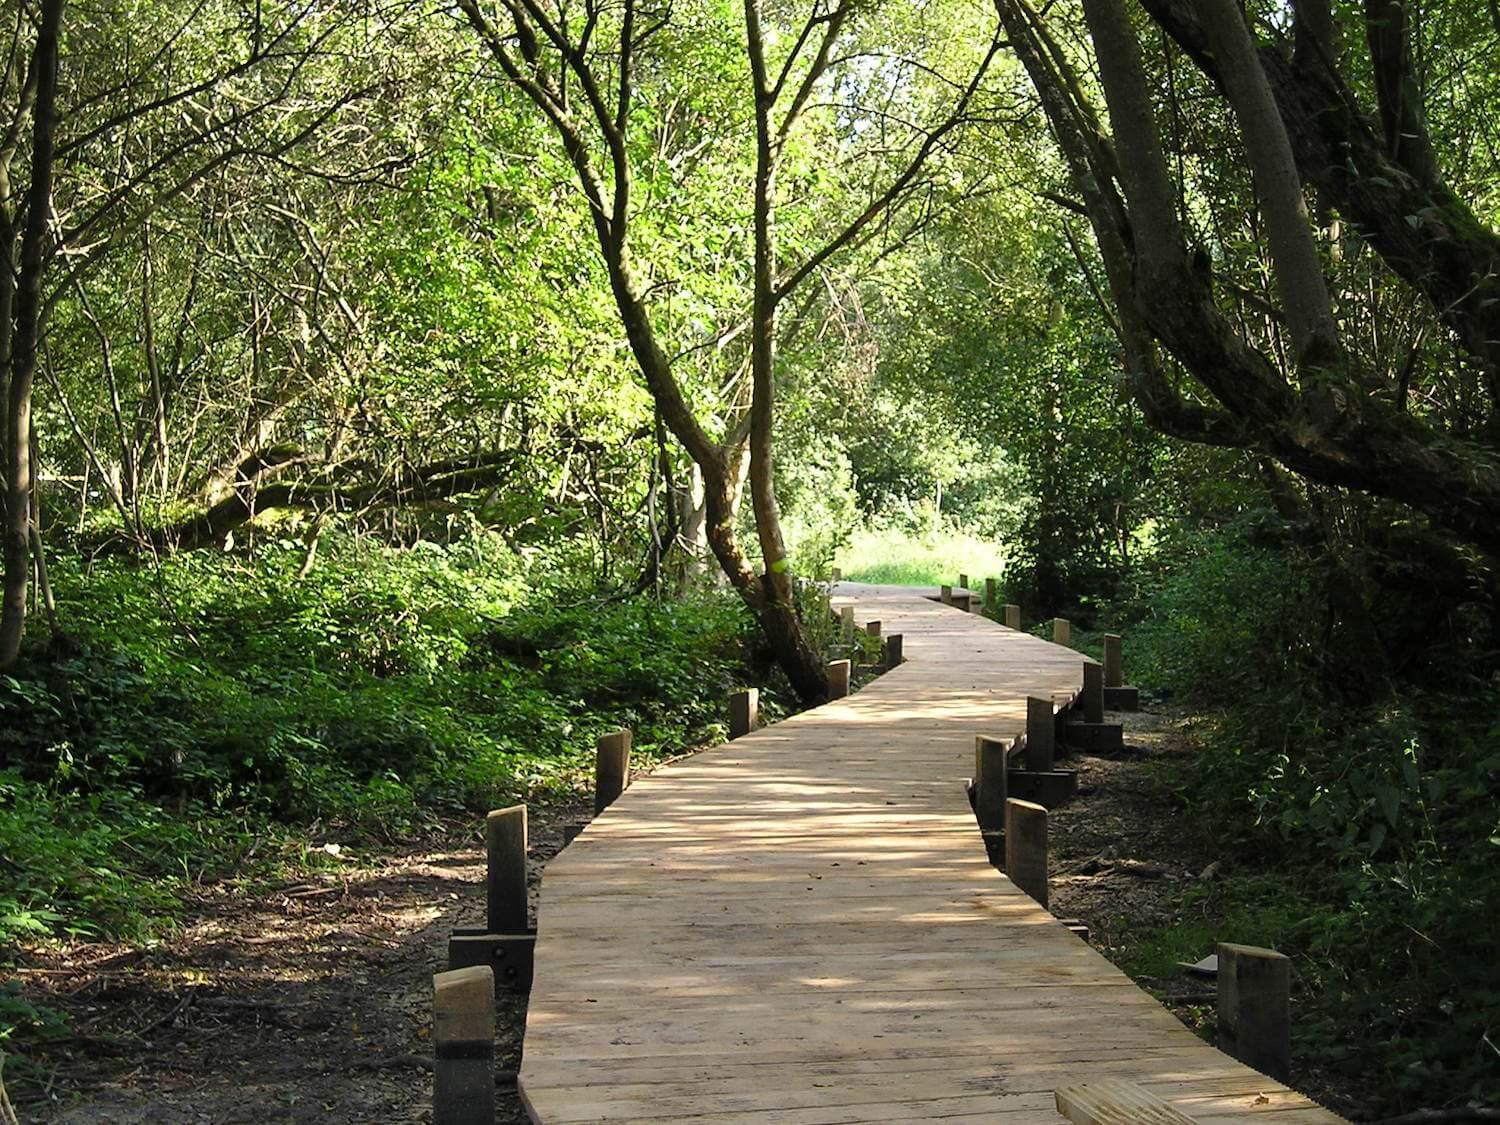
[(1115, 1102)]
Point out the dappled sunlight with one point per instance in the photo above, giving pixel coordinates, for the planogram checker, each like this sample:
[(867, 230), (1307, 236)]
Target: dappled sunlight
[(819, 890)]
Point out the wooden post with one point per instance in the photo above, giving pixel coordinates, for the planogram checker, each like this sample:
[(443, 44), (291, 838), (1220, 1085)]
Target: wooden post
[(838, 679), (1026, 847), (505, 880), (611, 768), (989, 782), (893, 656), (744, 712), (945, 595), (1093, 692), (846, 618), (1062, 631), (1041, 734), (963, 581), (991, 594), (1013, 617), (1255, 1019), (463, 1046), (1114, 668), (838, 575), (873, 629)]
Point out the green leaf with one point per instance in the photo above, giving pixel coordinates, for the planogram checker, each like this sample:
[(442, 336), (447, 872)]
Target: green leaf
[(1390, 802)]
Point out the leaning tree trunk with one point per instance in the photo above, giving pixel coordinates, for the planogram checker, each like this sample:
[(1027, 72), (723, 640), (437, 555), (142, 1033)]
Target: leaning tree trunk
[(16, 530), (1328, 428), (777, 617)]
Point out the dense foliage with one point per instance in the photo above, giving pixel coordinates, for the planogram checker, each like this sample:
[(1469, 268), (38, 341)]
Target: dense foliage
[(1345, 779), (208, 712)]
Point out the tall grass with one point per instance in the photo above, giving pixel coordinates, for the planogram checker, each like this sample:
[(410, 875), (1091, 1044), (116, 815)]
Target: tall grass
[(899, 558)]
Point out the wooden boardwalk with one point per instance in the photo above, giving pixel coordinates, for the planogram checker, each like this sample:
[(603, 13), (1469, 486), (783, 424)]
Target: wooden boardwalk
[(800, 927)]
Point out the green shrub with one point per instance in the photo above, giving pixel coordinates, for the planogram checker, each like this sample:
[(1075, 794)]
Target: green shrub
[(1350, 798), (198, 703), (1384, 835), (1219, 616)]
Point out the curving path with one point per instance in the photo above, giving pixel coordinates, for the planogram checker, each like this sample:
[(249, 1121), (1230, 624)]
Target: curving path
[(800, 927)]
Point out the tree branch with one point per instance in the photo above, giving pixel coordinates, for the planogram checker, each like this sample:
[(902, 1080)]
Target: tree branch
[(788, 283)]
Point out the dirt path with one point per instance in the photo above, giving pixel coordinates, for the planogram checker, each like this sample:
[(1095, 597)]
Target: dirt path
[(309, 1003)]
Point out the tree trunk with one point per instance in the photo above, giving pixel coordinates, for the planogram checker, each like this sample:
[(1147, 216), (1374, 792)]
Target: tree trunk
[(1278, 187), (16, 530), (1449, 255), (778, 611), (1401, 110), (1329, 428)]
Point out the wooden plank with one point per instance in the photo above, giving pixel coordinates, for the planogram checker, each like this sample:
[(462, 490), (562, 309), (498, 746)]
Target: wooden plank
[(813, 1069), (831, 1087), (1116, 1102), (801, 927)]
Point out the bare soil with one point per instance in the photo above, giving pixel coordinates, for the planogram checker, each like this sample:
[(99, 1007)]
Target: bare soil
[(1120, 859), (311, 1002)]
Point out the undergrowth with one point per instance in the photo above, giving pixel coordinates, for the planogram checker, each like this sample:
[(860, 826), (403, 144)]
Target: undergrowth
[(210, 718), (1351, 805)]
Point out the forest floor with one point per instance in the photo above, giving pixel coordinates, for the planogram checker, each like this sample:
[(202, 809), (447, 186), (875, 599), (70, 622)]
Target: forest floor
[(309, 1002), (312, 1001), (1122, 862)]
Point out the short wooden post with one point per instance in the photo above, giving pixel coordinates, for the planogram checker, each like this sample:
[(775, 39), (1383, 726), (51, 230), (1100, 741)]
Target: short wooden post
[(963, 581), (873, 629), (611, 768), (1062, 631), (1041, 734), (1114, 668), (838, 575), (1013, 617), (945, 595), (838, 679), (505, 878), (1255, 1017), (463, 1046), (893, 656), (990, 782), (744, 712), (991, 593), (1026, 847), (1093, 692), (846, 619)]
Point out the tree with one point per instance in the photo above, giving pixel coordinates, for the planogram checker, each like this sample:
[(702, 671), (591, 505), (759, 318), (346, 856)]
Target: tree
[(583, 71), (102, 133), (1286, 383), (21, 295)]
